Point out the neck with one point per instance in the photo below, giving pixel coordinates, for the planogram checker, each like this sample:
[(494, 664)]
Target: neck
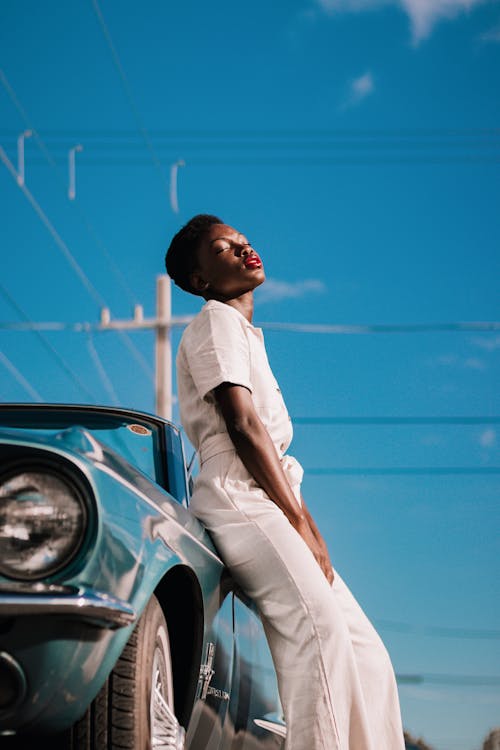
[(244, 303)]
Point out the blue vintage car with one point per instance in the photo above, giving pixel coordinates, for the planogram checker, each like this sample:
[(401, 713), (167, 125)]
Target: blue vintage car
[(120, 627)]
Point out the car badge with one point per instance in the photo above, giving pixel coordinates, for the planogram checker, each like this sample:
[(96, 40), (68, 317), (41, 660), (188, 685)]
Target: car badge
[(138, 429), (206, 671)]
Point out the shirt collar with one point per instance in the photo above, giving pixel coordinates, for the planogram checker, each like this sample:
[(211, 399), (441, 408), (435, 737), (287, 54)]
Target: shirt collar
[(215, 303)]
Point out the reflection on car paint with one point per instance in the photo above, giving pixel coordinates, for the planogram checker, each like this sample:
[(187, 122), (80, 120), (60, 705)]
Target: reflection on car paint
[(141, 541)]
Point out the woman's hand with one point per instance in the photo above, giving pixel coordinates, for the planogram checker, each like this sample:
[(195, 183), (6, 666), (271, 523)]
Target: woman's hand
[(256, 449), (317, 545)]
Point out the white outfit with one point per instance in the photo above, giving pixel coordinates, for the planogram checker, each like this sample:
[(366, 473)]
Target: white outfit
[(335, 678)]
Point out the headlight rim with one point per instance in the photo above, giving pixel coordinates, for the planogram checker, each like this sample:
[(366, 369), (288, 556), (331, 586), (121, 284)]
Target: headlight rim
[(79, 486)]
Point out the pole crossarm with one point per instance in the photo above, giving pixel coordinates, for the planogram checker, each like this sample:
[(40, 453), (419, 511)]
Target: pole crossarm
[(145, 324), (113, 325)]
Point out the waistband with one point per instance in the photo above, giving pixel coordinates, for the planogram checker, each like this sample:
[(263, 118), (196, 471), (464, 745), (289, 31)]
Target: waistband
[(222, 443), (214, 445)]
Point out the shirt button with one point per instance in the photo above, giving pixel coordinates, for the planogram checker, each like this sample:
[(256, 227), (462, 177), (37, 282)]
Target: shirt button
[(282, 447)]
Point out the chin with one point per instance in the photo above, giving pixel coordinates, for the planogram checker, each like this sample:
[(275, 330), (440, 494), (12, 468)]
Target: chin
[(260, 280)]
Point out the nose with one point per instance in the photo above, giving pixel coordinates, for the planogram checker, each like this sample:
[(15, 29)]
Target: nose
[(245, 250)]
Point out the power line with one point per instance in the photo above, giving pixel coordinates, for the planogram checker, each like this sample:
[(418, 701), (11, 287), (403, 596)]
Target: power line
[(277, 138), (449, 679), (90, 229), (55, 235), (286, 147), (136, 354), (320, 328), (64, 249), (47, 345), (20, 109), (108, 385), (19, 378), (401, 470), (293, 161), (395, 420), (73, 262), (280, 133), (97, 240), (439, 631), (129, 95), (398, 328), (181, 321)]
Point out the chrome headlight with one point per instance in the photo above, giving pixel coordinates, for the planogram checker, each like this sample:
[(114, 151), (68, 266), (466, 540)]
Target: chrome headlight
[(43, 518)]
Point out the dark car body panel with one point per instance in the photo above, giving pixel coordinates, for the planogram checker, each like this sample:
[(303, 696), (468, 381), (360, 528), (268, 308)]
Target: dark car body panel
[(66, 632)]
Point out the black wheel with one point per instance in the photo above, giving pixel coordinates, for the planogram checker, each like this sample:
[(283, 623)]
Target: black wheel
[(134, 709)]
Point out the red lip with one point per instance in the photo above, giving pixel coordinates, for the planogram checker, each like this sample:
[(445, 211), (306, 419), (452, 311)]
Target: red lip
[(253, 261)]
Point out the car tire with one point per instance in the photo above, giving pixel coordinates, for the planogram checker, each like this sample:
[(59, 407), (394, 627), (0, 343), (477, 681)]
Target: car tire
[(134, 709)]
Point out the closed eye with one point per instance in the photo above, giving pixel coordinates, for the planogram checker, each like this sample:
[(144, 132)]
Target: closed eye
[(232, 246)]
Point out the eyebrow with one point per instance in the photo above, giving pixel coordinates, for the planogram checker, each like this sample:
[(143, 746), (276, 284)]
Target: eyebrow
[(219, 238), (228, 239)]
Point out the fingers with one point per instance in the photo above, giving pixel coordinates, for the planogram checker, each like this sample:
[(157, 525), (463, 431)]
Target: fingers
[(321, 555), (326, 567), (328, 571)]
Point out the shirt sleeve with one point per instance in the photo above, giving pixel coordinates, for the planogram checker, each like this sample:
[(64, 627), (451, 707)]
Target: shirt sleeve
[(218, 352)]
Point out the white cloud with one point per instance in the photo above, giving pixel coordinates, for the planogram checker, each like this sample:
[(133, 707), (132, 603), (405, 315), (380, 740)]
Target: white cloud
[(362, 86), (274, 290), (492, 35), (447, 359), (423, 14), (488, 438), (359, 89), (452, 360), (489, 344), (474, 363)]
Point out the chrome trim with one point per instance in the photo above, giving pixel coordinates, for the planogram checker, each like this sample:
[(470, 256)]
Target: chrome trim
[(81, 493), (15, 669), (206, 671), (272, 726), (98, 608), (36, 587), (10, 406)]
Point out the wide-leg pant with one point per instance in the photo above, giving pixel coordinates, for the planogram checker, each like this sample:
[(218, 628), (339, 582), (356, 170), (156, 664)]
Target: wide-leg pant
[(335, 678)]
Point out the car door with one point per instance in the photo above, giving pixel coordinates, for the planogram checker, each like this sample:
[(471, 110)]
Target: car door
[(255, 714), (208, 724)]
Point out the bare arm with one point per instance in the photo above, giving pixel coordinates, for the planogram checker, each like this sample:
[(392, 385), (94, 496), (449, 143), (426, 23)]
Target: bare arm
[(256, 449), (325, 563)]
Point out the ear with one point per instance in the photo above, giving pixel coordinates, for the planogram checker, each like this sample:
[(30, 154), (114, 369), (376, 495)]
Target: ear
[(198, 282)]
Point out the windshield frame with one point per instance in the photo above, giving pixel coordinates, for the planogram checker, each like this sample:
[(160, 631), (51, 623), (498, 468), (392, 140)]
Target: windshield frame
[(31, 416)]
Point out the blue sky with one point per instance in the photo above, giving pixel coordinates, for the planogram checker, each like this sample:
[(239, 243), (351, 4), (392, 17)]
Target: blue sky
[(357, 144)]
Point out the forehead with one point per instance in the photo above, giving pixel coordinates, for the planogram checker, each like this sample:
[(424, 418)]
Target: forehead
[(222, 231)]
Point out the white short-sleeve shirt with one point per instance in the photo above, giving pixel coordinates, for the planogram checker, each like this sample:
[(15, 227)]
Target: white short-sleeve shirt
[(221, 346)]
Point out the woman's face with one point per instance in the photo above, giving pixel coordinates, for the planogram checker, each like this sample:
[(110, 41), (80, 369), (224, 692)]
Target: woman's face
[(228, 266)]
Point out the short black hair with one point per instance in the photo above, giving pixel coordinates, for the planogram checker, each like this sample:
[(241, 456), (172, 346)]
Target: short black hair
[(180, 259)]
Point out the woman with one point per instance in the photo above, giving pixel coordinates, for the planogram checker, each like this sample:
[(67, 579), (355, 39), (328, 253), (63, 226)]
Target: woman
[(335, 678)]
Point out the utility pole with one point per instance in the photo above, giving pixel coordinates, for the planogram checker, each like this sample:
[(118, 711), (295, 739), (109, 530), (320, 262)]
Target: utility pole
[(163, 349), (162, 324)]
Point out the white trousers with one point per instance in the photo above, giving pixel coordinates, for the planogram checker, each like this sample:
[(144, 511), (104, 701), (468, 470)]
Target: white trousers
[(335, 678)]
